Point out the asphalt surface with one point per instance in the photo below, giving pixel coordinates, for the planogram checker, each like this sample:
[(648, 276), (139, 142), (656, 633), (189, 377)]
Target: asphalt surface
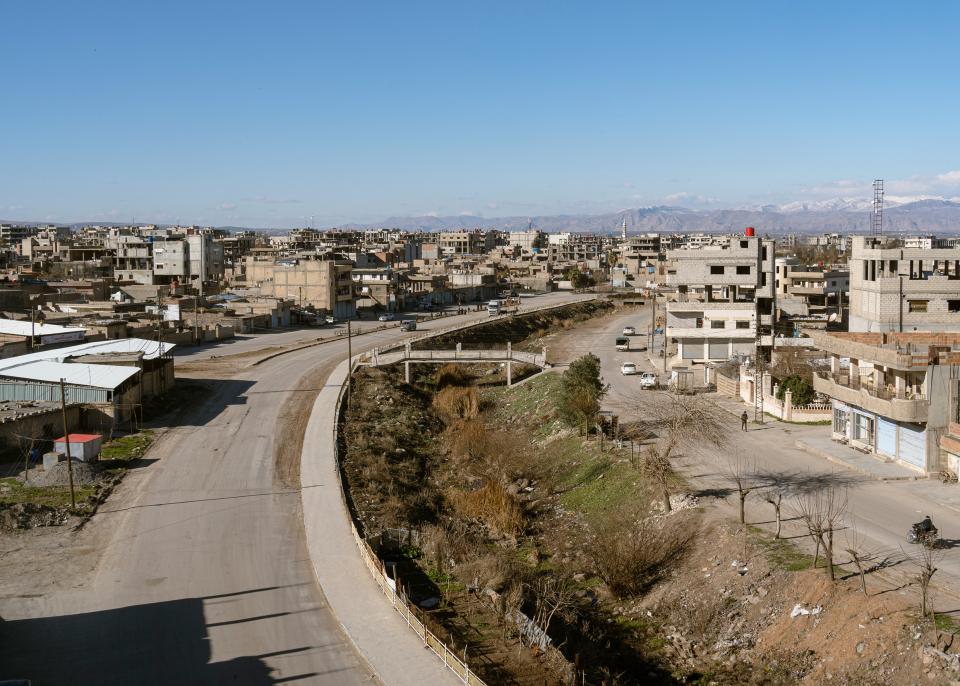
[(881, 512), (205, 577)]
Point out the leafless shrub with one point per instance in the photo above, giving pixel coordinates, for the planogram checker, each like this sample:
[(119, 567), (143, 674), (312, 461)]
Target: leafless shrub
[(630, 558), (493, 453), (552, 596), (492, 505), (774, 496), (455, 403), (451, 375)]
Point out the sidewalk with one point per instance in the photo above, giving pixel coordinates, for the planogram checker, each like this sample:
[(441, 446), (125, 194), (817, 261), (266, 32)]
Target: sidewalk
[(397, 655), (867, 465)]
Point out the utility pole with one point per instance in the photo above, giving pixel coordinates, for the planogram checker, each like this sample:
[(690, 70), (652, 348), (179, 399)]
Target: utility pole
[(196, 321), (33, 319), (66, 441)]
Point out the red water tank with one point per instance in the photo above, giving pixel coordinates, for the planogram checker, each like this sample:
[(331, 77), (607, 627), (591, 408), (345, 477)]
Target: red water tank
[(748, 231)]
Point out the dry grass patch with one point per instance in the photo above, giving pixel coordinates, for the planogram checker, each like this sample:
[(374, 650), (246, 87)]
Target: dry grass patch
[(493, 505)]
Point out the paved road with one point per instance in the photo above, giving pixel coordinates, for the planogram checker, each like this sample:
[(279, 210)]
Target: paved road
[(205, 577), (882, 511)]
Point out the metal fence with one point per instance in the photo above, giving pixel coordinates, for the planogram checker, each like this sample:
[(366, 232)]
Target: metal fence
[(398, 599)]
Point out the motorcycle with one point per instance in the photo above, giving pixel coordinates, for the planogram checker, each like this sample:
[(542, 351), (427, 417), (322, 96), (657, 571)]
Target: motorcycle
[(923, 533)]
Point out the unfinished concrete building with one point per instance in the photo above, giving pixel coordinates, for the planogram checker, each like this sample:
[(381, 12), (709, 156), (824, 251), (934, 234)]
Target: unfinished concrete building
[(898, 288)]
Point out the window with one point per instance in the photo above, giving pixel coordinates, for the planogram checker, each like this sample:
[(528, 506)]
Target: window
[(744, 244), (743, 324), (699, 322), (716, 269), (953, 305), (840, 419), (763, 253), (743, 269), (918, 305), (863, 428), (893, 267), (717, 324)]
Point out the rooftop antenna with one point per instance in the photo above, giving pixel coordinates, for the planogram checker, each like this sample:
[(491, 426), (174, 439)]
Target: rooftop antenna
[(876, 217)]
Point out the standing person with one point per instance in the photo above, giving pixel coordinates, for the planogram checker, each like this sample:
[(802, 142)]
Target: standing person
[(743, 421)]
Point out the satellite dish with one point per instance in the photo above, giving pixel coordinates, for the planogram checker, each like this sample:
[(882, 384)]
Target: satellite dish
[(832, 317)]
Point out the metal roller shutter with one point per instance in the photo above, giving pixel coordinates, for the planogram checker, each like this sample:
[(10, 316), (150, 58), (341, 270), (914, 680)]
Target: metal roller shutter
[(720, 349), (913, 445), (886, 437), (693, 351)]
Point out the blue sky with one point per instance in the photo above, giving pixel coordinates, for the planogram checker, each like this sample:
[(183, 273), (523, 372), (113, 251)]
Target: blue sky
[(267, 114)]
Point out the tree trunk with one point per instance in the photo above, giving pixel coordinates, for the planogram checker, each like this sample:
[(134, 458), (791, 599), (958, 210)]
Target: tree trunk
[(828, 553), (816, 552), (776, 508), (743, 500), (666, 498), (863, 578)]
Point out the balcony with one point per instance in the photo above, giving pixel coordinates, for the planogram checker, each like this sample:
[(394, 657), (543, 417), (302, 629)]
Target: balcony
[(704, 332), (883, 401)]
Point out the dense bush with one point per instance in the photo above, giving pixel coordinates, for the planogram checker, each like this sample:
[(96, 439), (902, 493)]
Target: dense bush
[(581, 389), (802, 391)]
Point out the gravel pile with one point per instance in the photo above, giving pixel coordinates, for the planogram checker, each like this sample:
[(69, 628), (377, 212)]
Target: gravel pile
[(83, 474)]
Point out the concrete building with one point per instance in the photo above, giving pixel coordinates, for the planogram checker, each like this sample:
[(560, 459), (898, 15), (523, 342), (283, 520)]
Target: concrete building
[(803, 290), (897, 288), (327, 285), (527, 241), (724, 294), (893, 394), (639, 255), (464, 242)]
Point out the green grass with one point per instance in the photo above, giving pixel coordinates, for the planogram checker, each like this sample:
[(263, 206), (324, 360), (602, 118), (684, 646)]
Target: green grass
[(779, 552), (128, 447), (13, 491), (947, 623)]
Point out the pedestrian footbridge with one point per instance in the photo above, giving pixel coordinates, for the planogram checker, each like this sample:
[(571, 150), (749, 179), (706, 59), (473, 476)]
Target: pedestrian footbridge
[(407, 356)]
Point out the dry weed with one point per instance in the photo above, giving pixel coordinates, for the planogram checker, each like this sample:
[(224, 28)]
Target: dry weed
[(492, 505)]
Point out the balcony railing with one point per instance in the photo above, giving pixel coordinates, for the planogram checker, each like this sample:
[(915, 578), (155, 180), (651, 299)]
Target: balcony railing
[(885, 392)]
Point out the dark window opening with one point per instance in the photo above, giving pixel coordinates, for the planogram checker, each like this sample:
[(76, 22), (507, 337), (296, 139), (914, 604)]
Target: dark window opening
[(716, 269), (953, 305), (743, 270), (717, 324), (743, 325)]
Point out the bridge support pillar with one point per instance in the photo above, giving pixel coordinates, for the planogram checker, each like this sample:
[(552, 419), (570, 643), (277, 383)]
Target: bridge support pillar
[(509, 373), (406, 371)]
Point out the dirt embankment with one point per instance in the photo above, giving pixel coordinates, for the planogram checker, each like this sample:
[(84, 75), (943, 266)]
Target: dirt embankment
[(516, 329), (490, 506)]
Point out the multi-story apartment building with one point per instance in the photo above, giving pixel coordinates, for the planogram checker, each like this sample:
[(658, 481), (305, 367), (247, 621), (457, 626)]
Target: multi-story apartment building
[(527, 241), (803, 290), (637, 252), (466, 242), (725, 294), (898, 288), (325, 284), (893, 394)]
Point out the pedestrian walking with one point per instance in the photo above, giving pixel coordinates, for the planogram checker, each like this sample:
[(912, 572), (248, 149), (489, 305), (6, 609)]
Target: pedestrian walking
[(743, 421)]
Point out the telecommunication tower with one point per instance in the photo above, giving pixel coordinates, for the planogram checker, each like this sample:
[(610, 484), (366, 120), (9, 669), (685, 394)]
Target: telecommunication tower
[(876, 217)]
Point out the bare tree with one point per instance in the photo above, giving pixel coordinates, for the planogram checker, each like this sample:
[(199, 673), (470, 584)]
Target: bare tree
[(859, 555), (775, 498), (822, 511), (741, 470), (925, 559), (681, 421)]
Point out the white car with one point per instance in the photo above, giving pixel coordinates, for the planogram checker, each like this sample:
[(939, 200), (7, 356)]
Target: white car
[(648, 380), (628, 368), (385, 317), (629, 331)]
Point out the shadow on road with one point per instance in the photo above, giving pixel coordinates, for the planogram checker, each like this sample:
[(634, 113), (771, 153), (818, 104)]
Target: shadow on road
[(156, 643)]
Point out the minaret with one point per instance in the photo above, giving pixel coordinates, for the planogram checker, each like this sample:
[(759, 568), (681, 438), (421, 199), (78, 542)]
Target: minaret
[(623, 229)]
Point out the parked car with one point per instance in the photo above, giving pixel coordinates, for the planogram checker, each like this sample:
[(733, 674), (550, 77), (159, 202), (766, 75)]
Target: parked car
[(628, 368), (408, 325), (623, 343), (629, 331), (648, 380), (329, 319), (385, 317)]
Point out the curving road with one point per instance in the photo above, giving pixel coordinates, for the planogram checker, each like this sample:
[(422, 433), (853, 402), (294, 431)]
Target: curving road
[(204, 576)]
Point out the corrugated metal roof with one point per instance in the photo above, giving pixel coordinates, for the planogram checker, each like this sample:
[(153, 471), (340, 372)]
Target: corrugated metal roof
[(107, 376), (15, 327), (53, 365)]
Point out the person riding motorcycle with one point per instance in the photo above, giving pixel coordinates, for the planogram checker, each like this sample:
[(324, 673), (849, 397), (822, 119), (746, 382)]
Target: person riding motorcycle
[(923, 532)]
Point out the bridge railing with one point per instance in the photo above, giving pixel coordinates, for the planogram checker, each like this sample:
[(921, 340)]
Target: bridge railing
[(376, 358)]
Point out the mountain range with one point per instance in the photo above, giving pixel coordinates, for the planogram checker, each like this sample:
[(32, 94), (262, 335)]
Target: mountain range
[(832, 216), (922, 216)]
